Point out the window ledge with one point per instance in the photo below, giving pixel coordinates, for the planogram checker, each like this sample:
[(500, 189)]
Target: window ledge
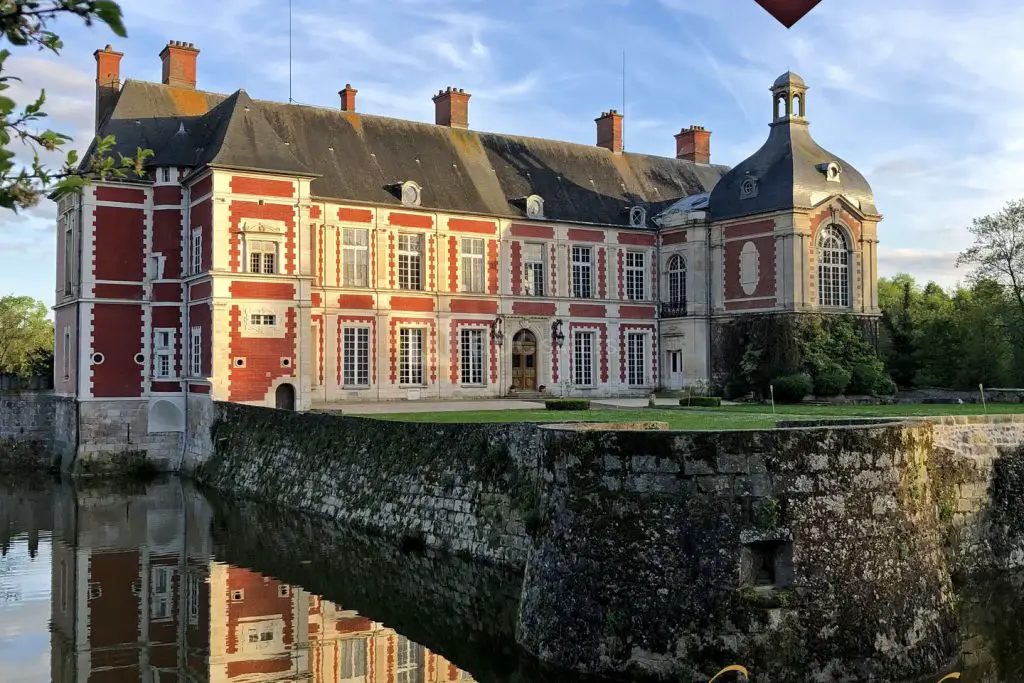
[(356, 387)]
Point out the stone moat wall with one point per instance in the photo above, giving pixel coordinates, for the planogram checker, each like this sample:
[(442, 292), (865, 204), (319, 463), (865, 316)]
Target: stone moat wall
[(827, 549)]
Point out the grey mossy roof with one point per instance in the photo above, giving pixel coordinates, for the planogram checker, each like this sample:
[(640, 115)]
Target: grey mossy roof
[(787, 175), (358, 157)]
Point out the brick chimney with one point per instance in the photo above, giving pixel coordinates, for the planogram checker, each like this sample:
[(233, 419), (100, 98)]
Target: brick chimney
[(609, 131), (179, 64), (451, 108), (348, 97), (694, 144), (108, 82)]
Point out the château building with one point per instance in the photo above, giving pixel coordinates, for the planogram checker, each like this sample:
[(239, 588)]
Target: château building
[(288, 255)]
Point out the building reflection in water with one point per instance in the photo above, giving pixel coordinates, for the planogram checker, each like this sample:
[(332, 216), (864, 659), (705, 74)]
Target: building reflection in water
[(136, 597)]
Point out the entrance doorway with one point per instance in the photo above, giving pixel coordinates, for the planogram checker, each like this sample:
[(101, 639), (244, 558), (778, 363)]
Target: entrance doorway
[(675, 370), (524, 361), (285, 397)]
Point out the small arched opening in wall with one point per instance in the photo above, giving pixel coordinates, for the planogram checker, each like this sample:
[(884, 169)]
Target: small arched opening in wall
[(165, 416), (284, 396)]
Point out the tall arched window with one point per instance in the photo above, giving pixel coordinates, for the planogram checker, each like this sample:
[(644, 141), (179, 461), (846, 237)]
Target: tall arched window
[(677, 280), (833, 268)]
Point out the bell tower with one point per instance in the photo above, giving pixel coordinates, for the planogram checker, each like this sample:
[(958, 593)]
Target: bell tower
[(789, 95)]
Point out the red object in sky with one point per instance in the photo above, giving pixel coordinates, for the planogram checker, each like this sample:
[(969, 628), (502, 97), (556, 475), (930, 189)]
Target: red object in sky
[(788, 12)]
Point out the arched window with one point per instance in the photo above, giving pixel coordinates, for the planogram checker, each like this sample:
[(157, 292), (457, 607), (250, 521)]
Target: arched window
[(833, 268), (677, 280)]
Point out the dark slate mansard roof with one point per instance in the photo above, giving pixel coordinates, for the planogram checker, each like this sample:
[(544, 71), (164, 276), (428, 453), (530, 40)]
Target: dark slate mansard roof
[(358, 157)]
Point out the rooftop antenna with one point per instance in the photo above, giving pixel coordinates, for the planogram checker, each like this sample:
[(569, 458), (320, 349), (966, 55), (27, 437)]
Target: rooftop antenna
[(290, 51)]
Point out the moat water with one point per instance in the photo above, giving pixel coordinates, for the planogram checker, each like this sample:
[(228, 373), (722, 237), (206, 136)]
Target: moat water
[(159, 583)]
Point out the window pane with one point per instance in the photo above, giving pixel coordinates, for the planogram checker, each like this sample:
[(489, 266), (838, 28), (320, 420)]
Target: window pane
[(472, 356)]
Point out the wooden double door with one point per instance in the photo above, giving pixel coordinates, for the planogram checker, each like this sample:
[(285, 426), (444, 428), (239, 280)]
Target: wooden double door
[(524, 361)]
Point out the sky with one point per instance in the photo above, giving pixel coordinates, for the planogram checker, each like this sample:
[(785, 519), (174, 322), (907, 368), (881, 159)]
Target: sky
[(921, 96)]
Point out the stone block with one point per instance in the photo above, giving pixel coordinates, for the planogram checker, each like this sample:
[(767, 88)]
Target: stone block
[(731, 464)]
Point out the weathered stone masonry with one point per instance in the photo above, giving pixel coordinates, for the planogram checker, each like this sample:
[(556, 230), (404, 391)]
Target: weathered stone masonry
[(670, 553)]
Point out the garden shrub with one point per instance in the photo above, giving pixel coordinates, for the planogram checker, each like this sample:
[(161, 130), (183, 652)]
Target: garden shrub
[(886, 387), (867, 378), (701, 401), (791, 388), (831, 380), (567, 404)]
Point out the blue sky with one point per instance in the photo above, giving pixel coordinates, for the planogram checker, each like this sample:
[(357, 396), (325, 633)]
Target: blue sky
[(922, 96)]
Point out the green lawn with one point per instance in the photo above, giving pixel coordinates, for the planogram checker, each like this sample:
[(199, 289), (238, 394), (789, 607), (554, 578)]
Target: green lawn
[(676, 419), (727, 417)]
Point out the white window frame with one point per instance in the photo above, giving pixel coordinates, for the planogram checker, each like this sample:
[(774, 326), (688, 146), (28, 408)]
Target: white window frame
[(534, 269), (472, 356), (263, 320), (261, 256), (636, 359), (410, 261), (197, 251), (411, 370), (409, 658), (583, 343), (69, 250), (677, 279), (195, 355), (355, 257), (635, 275), (355, 356), (833, 268), (353, 656), (66, 355), (582, 272), (471, 264), (163, 351), (192, 598), (161, 589)]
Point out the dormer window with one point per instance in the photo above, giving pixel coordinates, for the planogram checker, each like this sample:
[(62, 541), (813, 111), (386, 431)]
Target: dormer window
[(534, 206), (832, 171), (411, 193), (748, 188), (638, 217)]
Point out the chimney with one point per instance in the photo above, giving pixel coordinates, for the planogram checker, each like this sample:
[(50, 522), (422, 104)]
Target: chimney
[(609, 131), (694, 144), (451, 108), (348, 97), (108, 82), (179, 64)]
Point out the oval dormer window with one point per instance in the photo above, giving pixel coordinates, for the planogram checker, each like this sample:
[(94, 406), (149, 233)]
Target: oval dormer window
[(637, 217), (534, 206), (411, 194), (832, 172), (748, 188)]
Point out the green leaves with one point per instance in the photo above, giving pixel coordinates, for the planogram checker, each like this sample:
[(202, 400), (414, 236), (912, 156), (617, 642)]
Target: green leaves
[(24, 181)]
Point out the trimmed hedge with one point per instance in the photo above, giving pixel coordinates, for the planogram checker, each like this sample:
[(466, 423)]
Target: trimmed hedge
[(791, 388), (567, 404), (701, 401)]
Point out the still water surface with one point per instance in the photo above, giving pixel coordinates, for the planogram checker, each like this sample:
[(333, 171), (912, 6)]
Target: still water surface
[(162, 584)]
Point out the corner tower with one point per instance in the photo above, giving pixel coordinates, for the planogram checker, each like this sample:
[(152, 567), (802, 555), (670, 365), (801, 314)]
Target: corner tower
[(794, 225)]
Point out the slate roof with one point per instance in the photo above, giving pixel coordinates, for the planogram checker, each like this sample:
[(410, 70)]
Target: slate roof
[(787, 175), (358, 157)]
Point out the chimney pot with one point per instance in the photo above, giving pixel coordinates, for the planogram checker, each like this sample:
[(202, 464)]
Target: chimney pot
[(694, 144), (348, 97), (609, 131), (451, 108), (108, 82), (179, 64)]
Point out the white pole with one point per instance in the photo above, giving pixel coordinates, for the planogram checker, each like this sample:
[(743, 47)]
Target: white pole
[(981, 388), (771, 389)]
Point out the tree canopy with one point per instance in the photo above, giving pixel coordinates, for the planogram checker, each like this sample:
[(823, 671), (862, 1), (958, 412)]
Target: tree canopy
[(25, 179), (26, 335)]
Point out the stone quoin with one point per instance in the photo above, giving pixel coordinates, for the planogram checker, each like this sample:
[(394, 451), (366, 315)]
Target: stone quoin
[(286, 255)]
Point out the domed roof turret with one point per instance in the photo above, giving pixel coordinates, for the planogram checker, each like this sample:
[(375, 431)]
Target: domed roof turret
[(790, 170), (787, 79)]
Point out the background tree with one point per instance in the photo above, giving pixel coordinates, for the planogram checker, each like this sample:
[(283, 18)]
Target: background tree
[(27, 23), (998, 250), (26, 336)]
